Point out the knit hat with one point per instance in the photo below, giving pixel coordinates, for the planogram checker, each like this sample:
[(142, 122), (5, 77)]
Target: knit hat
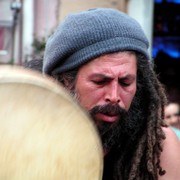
[(86, 35)]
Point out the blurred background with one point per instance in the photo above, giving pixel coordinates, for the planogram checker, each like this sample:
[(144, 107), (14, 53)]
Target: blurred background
[(25, 26)]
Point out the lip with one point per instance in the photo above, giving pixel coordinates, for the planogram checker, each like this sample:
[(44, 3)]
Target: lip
[(107, 118)]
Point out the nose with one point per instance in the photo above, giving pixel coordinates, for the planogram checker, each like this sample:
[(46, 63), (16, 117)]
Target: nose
[(113, 93)]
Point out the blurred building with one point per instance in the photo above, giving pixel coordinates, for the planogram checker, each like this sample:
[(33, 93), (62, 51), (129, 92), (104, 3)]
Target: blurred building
[(25, 25), (6, 31)]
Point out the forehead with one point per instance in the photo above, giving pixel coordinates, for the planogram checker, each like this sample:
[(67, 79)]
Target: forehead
[(114, 62), (172, 108)]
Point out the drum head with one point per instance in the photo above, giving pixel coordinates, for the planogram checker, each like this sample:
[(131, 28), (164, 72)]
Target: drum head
[(44, 134)]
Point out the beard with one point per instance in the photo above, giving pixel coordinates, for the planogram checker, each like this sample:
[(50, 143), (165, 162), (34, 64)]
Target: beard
[(123, 133), (120, 139), (110, 133)]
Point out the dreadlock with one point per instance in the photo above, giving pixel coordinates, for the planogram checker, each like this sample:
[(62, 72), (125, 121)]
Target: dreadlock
[(139, 157), (146, 159)]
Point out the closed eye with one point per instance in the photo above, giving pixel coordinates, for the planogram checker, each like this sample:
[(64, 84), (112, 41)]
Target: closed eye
[(126, 81), (100, 79), (101, 82)]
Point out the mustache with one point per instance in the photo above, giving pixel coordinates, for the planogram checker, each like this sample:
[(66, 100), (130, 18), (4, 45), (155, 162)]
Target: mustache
[(110, 133), (110, 109)]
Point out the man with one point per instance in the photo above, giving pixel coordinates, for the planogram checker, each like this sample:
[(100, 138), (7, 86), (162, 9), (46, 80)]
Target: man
[(101, 57), (172, 116)]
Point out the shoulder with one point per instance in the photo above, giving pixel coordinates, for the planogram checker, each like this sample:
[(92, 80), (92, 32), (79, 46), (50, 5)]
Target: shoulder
[(177, 132), (171, 137), (170, 156)]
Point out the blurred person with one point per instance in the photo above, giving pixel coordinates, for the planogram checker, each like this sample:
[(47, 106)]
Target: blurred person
[(101, 57), (172, 116)]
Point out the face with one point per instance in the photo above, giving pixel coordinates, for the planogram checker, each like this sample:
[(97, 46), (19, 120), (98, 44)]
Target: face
[(105, 87), (172, 115), (107, 79)]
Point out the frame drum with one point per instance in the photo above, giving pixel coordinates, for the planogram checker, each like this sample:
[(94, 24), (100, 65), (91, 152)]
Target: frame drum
[(44, 134)]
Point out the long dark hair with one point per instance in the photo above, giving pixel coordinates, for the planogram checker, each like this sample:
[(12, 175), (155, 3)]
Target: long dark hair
[(139, 155)]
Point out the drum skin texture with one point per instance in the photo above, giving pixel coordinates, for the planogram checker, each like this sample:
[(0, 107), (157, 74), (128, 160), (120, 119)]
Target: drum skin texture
[(44, 134)]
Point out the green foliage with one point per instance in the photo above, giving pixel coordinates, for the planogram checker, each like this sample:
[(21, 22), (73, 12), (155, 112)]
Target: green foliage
[(39, 45)]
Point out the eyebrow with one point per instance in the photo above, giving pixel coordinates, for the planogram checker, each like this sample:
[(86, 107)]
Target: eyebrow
[(97, 75), (129, 77), (100, 76)]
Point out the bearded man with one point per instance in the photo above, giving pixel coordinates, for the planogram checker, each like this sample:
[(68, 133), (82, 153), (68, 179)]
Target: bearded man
[(101, 57)]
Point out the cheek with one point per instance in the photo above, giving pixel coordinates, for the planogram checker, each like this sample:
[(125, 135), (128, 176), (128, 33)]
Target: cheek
[(127, 97), (88, 96)]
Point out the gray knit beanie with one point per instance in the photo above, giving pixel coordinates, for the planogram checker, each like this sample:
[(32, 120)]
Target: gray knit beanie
[(86, 35)]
